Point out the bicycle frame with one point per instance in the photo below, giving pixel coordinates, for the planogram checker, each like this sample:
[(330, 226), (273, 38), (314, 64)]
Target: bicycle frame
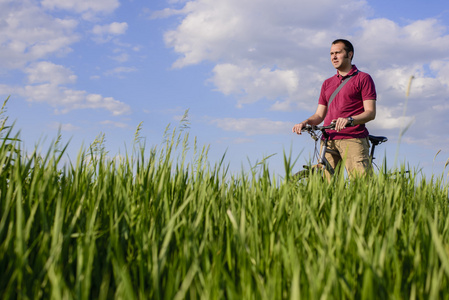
[(323, 163), (322, 160)]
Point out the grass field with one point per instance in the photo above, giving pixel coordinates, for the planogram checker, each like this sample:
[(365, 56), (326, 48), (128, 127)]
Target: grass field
[(160, 225)]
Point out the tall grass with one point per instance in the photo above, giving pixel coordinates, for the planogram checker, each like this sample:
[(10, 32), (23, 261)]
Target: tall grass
[(404, 127), (158, 225)]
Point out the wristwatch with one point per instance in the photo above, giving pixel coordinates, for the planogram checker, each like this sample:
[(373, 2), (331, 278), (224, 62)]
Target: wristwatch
[(350, 121)]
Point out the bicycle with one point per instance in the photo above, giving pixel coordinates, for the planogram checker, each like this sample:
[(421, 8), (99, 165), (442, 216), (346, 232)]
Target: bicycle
[(317, 132)]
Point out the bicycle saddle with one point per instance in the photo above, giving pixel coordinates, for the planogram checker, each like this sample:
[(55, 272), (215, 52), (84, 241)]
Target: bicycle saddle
[(376, 140)]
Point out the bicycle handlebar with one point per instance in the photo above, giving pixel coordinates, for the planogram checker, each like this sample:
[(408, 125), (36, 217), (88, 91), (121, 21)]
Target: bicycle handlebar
[(309, 128)]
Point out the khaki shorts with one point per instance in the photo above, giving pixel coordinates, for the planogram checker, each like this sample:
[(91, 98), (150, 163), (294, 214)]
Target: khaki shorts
[(354, 153)]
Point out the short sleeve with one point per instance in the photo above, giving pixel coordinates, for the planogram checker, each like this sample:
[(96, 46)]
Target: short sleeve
[(368, 88)]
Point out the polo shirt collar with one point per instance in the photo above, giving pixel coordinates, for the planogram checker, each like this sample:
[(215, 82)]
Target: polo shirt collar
[(353, 70)]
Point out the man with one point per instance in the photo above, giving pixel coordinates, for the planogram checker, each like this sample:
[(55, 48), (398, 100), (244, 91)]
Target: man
[(353, 106)]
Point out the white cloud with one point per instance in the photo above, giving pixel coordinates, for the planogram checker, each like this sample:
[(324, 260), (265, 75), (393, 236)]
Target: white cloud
[(64, 127), (259, 126), (49, 72), (29, 34), (114, 124), (119, 71), (106, 32), (389, 119), (254, 84), (383, 42), (88, 8), (165, 13), (288, 88), (442, 69), (47, 86), (257, 30), (121, 58), (65, 100)]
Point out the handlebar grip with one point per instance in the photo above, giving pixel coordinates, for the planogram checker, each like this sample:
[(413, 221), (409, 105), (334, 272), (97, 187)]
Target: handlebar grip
[(308, 127)]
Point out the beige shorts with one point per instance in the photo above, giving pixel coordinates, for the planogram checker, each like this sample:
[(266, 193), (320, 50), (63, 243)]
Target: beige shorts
[(354, 153)]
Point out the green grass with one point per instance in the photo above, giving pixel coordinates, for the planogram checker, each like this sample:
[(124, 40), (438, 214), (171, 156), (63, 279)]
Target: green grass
[(158, 225)]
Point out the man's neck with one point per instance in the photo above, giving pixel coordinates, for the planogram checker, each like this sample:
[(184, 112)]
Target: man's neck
[(344, 70)]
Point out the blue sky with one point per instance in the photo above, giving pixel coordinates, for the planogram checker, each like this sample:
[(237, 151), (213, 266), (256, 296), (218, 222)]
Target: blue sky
[(247, 71)]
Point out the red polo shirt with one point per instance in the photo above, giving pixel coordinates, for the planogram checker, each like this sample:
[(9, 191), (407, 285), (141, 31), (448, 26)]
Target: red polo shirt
[(348, 102)]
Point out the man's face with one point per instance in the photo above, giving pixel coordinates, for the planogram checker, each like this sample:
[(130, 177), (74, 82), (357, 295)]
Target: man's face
[(339, 58)]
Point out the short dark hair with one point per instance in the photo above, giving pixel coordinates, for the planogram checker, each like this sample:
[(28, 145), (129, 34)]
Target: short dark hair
[(348, 45)]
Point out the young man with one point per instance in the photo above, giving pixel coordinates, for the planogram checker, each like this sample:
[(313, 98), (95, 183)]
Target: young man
[(353, 106)]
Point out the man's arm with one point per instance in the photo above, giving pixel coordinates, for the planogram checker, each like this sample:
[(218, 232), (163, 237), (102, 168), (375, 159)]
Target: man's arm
[(315, 119), (369, 114)]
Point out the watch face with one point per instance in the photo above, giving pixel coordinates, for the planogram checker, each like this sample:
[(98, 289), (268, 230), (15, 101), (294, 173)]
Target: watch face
[(351, 121)]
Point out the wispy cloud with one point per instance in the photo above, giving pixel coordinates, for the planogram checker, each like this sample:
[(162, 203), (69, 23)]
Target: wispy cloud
[(47, 86), (119, 71), (257, 126), (29, 34), (32, 36), (87, 8), (114, 124), (104, 33), (64, 127), (48, 72)]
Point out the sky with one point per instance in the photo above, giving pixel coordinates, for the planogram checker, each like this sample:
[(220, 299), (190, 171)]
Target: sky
[(246, 72)]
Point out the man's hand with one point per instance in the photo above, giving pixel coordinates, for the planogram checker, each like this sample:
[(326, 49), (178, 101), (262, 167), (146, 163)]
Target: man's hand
[(340, 123), (298, 127)]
